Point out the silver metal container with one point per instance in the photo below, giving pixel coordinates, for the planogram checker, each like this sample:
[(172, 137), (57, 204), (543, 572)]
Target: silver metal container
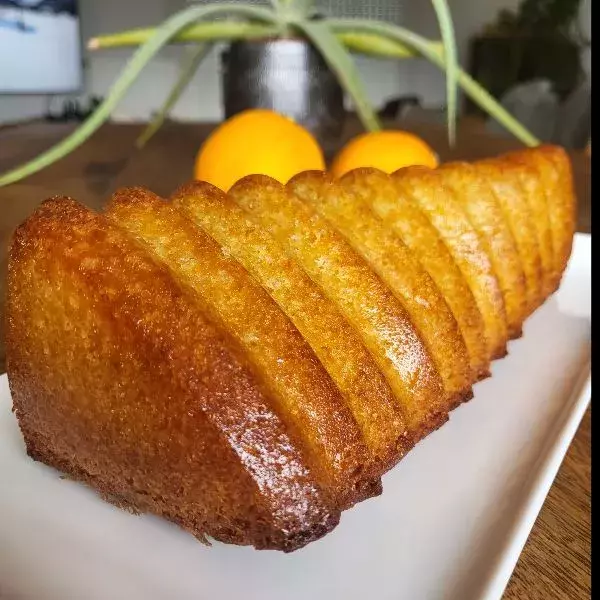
[(288, 76)]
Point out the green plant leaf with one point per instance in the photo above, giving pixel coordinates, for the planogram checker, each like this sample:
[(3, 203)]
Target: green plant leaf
[(190, 65), (202, 32), (377, 45), (138, 61), (341, 63), (199, 32), (480, 95), (451, 54), (381, 45)]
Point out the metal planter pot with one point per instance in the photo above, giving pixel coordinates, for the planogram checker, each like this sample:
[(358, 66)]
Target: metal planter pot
[(288, 76)]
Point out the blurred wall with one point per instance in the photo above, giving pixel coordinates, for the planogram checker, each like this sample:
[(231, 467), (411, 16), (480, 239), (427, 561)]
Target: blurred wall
[(585, 18), (202, 99)]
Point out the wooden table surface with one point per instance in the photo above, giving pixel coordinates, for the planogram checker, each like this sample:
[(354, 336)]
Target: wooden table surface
[(555, 563)]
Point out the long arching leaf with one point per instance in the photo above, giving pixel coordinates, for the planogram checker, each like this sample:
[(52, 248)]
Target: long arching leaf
[(189, 67), (138, 61), (197, 32), (380, 42), (203, 32), (447, 30), (377, 45), (341, 63)]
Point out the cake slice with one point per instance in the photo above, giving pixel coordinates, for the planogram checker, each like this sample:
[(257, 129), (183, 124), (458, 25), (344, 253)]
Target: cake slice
[(408, 222), (511, 195), (535, 196), (306, 397), (563, 204), (426, 188), (475, 195), (553, 171), (337, 345), (364, 300), (119, 380), (397, 267)]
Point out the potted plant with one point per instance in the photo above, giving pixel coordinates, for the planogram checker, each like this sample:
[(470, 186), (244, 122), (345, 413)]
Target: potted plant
[(333, 38), (288, 76)]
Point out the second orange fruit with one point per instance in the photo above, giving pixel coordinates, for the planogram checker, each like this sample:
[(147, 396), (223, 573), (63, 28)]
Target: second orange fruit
[(257, 141), (384, 150)]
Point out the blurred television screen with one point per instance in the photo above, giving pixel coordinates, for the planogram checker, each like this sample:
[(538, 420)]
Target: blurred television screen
[(40, 47)]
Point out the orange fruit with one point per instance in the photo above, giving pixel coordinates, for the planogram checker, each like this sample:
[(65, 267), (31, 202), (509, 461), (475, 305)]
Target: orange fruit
[(384, 150), (257, 142)]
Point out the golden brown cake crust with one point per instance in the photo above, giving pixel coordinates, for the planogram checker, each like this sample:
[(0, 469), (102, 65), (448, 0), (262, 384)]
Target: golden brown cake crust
[(402, 216), (400, 270), (535, 196), (437, 202), (247, 365), (477, 198), (120, 380), (508, 188), (331, 337), (360, 295), (556, 177), (306, 397), (563, 211)]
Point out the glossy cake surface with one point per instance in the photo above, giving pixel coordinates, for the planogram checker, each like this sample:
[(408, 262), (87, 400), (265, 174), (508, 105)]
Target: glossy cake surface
[(248, 365)]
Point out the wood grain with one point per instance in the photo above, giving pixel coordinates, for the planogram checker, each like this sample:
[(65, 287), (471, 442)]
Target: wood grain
[(555, 563)]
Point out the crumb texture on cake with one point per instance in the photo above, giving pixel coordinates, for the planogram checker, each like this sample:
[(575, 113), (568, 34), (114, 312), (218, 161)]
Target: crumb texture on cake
[(248, 365)]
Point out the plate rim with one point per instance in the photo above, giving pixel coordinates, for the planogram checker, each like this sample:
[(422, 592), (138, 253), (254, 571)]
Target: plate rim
[(547, 469), (541, 483)]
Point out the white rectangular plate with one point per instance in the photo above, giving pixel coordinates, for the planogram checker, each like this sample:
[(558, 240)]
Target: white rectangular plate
[(451, 523)]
